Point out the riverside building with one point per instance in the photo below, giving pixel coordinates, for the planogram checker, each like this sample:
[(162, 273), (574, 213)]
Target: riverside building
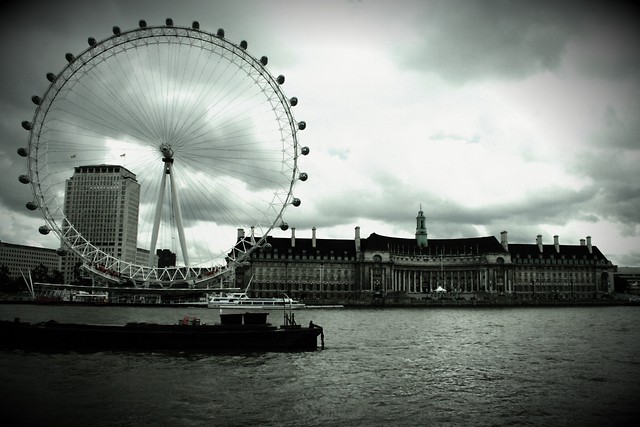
[(20, 259), (405, 269)]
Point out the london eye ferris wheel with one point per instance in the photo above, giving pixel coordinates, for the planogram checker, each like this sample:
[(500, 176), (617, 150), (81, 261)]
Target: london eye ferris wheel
[(203, 125)]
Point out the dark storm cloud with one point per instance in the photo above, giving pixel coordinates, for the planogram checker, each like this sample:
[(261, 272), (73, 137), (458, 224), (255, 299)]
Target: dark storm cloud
[(611, 162), (464, 41), (27, 27)]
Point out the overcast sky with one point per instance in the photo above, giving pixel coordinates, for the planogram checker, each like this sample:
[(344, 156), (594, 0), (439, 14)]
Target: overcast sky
[(493, 115)]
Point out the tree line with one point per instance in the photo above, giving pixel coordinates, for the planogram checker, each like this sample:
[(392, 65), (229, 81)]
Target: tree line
[(40, 273)]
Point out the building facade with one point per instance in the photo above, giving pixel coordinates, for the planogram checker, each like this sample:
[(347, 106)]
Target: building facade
[(21, 258), (418, 269), (102, 202)]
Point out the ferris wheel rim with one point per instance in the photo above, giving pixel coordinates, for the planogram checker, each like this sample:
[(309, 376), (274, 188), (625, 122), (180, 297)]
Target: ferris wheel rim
[(137, 38)]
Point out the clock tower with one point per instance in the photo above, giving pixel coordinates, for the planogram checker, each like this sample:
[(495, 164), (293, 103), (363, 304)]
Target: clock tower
[(421, 229)]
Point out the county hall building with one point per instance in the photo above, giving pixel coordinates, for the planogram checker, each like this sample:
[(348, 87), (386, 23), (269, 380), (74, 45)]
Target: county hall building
[(420, 268)]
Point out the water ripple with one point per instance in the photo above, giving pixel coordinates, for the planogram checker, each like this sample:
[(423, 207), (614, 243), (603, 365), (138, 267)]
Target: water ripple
[(410, 367)]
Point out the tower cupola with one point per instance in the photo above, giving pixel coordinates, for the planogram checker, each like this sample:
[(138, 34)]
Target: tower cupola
[(421, 229)]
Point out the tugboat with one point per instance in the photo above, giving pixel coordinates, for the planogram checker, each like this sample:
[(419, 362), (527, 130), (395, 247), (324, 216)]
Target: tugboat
[(236, 332)]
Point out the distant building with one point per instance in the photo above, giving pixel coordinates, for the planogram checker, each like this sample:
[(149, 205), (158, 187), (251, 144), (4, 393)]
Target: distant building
[(102, 202), (23, 258), (313, 269), (166, 258), (421, 268), (558, 272), (627, 280)]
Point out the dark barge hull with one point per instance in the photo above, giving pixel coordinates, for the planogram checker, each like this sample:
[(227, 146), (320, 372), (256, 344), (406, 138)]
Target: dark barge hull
[(54, 336)]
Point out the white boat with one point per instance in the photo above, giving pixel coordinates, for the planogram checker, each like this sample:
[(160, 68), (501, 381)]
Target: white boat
[(241, 301)]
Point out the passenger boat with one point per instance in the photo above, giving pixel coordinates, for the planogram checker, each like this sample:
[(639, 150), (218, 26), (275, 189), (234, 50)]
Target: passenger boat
[(241, 301), (236, 332)]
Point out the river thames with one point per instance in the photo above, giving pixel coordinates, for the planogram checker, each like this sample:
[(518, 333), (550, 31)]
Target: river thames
[(537, 366)]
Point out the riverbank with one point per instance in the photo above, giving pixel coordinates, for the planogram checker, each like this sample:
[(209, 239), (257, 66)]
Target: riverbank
[(492, 303), (621, 300)]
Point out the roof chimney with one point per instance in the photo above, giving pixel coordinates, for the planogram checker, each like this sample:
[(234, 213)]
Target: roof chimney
[(504, 241), (293, 237), (539, 242), (582, 242), (589, 244), (313, 237), (556, 243), (357, 239), (240, 233)]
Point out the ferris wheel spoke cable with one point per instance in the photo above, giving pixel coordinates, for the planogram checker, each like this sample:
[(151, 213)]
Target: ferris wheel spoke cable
[(123, 106), (130, 110), (231, 165), (191, 82), (172, 115), (221, 199), (92, 120), (232, 129), (228, 82), (146, 103), (189, 126), (200, 100), (146, 98), (147, 109), (232, 170), (173, 91), (125, 110), (179, 87)]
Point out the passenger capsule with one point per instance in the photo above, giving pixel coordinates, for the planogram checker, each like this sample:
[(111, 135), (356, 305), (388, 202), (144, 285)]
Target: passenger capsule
[(267, 247), (69, 56), (280, 79), (116, 30), (264, 60), (92, 42), (303, 176), (244, 44), (32, 206), (284, 226), (51, 77), (220, 33), (302, 125), (142, 23), (195, 25), (304, 151), (169, 22), (44, 230), (22, 152), (24, 179), (293, 101), (27, 125), (296, 202)]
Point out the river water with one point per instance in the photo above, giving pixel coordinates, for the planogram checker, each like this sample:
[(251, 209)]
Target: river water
[(551, 366)]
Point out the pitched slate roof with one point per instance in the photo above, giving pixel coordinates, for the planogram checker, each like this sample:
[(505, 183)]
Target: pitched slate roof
[(549, 250), (463, 246), (339, 247)]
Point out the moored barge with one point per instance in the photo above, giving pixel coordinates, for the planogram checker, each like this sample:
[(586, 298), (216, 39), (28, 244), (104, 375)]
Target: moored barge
[(236, 332)]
